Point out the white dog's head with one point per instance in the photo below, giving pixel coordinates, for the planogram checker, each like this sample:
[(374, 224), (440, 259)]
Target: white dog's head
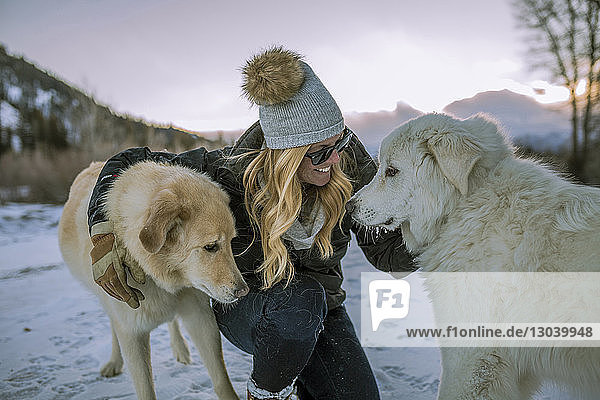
[(426, 166)]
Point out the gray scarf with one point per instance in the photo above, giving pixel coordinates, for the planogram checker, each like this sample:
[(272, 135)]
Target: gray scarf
[(302, 233)]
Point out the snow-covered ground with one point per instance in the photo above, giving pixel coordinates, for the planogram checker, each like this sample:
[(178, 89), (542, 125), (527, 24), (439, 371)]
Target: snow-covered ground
[(54, 336)]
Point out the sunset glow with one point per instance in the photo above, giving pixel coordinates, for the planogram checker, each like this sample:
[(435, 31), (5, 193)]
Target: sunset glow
[(546, 93)]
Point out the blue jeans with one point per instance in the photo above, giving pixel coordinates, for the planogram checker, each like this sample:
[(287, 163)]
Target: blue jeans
[(290, 334)]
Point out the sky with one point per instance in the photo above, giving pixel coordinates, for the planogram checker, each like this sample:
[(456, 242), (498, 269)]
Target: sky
[(178, 61)]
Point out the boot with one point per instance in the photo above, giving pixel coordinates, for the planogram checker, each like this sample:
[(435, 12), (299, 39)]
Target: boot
[(262, 394), (250, 397)]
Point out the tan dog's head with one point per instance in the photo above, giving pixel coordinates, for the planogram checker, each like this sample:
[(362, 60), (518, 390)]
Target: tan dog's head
[(187, 231), (426, 166)]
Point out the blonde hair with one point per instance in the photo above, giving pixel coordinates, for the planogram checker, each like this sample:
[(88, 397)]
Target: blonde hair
[(273, 199)]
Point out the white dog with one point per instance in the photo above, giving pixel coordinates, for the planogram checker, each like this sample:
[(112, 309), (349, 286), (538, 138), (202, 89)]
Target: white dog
[(465, 202), (185, 252)]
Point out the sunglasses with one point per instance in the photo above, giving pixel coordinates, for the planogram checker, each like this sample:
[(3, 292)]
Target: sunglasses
[(322, 155)]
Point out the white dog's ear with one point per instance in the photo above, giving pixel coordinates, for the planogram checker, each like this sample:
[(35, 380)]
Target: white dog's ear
[(456, 155), (161, 218)]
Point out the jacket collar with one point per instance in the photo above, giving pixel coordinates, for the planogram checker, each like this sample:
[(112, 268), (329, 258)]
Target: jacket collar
[(232, 169), (252, 139)]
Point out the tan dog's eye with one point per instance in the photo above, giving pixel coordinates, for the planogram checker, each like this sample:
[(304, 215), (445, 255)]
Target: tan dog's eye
[(390, 171), (211, 247)]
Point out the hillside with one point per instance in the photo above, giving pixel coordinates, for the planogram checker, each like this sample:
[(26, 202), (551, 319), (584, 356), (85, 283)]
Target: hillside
[(50, 130)]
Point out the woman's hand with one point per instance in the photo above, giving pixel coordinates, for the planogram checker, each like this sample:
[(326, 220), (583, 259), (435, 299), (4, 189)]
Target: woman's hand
[(109, 270)]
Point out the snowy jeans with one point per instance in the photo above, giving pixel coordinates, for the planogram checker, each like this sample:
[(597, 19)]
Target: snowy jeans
[(291, 335)]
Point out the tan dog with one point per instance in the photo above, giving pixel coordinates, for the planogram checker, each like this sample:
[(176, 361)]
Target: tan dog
[(466, 202), (185, 251)]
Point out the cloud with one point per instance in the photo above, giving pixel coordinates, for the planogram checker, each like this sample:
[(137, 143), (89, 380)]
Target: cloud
[(376, 70)]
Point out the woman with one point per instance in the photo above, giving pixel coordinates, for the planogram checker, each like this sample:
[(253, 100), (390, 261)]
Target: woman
[(289, 177)]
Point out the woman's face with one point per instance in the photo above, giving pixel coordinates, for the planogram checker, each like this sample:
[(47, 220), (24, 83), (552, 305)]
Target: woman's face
[(318, 175)]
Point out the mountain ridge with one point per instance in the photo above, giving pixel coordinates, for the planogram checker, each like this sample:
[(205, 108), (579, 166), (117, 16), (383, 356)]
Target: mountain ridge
[(543, 127), (39, 109)]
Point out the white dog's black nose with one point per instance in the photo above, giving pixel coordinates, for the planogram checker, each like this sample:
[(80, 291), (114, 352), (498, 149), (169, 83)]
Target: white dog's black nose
[(350, 206)]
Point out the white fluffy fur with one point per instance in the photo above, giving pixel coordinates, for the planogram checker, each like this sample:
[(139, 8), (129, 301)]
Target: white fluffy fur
[(173, 274), (465, 202)]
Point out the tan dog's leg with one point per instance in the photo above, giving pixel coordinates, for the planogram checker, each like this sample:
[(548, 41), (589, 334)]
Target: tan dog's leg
[(114, 366), (181, 351), (199, 320), (136, 349)]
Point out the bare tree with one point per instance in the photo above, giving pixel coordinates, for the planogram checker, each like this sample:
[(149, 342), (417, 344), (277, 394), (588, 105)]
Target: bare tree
[(593, 74), (564, 41)]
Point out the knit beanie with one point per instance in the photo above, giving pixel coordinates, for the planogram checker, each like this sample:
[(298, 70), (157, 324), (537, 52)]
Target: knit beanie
[(295, 109)]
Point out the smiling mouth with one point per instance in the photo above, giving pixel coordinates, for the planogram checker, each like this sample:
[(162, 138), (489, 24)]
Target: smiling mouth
[(323, 169)]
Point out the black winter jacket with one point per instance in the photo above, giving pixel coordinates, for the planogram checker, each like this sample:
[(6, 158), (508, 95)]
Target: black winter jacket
[(385, 251)]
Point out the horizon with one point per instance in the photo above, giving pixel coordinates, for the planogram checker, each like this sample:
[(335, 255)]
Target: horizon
[(427, 55)]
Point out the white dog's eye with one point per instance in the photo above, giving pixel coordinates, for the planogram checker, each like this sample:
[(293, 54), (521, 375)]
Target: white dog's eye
[(390, 171)]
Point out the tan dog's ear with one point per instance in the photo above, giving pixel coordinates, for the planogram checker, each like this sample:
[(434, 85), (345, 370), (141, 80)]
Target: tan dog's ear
[(161, 218), (456, 155)]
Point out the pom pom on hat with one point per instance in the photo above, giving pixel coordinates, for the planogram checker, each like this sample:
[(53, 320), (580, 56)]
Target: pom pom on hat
[(294, 107), (273, 76)]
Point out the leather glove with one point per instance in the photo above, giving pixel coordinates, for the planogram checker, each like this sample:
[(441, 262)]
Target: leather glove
[(109, 271)]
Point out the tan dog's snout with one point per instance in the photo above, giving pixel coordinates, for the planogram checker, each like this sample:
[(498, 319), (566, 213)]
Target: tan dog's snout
[(224, 282), (241, 289), (237, 285)]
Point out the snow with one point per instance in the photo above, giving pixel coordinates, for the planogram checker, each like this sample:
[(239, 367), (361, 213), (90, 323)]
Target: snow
[(9, 115), (13, 93), (54, 337), (16, 144), (43, 99)]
